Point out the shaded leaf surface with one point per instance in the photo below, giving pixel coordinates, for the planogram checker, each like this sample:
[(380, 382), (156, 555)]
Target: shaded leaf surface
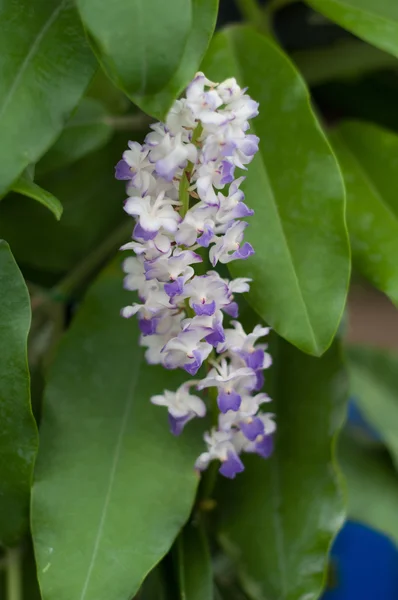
[(113, 486), (374, 386), (372, 486), (204, 16), (86, 131), (89, 194), (45, 65), (287, 510), (368, 156), (139, 42), (375, 22), (301, 267), (194, 564), (18, 435)]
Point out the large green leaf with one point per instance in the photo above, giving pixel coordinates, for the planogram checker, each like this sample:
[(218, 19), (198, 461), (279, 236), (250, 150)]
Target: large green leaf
[(87, 130), (139, 42), (368, 157), (374, 385), (372, 486), (375, 21), (204, 15), (287, 510), (194, 564), (92, 201), (301, 267), (45, 65), (113, 487), (18, 435), (27, 187)]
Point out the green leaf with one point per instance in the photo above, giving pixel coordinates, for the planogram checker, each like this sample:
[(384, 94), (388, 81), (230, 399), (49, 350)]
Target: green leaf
[(140, 43), (194, 564), (287, 510), (45, 65), (18, 434), (204, 16), (89, 194), (25, 186), (109, 472), (347, 59), (301, 267), (374, 385), (372, 487), (374, 21), (88, 130), (368, 156)]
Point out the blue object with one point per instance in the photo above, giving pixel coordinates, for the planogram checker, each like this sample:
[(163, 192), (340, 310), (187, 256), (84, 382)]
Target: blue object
[(355, 419), (364, 565)]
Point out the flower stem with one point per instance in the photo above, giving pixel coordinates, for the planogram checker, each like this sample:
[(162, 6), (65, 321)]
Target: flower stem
[(14, 574), (185, 182), (90, 265)]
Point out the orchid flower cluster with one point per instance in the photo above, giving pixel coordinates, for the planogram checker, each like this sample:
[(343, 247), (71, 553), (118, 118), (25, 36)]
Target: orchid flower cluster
[(183, 195)]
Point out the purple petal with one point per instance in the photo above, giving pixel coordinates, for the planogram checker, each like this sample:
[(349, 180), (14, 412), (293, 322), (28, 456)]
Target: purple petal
[(227, 173), (265, 447), (244, 251), (122, 171), (252, 429), (175, 288), (178, 424), (242, 210), (250, 145), (208, 308), (254, 360), (206, 237), (228, 401), (231, 466), (259, 381), (232, 309), (141, 233), (193, 367), (217, 336), (148, 326)]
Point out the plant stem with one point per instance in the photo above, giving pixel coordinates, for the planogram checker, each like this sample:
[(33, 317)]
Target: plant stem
[(183, 193), (255, 14), (91, 264), (274, 5), (14, 574)]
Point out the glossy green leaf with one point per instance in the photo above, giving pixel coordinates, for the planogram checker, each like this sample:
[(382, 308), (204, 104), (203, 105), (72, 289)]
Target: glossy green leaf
[(374, 385), (194, 564), (204, 16), (89, 194), (88, 130), (372, 486), (368, 156), (375, 21), (301, 267), (347, 59), (109, 473), (140, 43), (45, 65), (25, 186), (18, 435), (287, 510)]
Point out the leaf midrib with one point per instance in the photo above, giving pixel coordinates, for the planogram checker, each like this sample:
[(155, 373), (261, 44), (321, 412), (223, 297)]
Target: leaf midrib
[(30, 55), (112, 473), (367, 12), (279, 220)]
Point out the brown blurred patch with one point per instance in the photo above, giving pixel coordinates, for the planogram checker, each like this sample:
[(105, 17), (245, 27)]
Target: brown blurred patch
[(372, 318)]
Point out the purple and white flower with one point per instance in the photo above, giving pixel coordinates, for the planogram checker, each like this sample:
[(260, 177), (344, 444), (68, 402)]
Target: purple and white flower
[(181, 313)]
